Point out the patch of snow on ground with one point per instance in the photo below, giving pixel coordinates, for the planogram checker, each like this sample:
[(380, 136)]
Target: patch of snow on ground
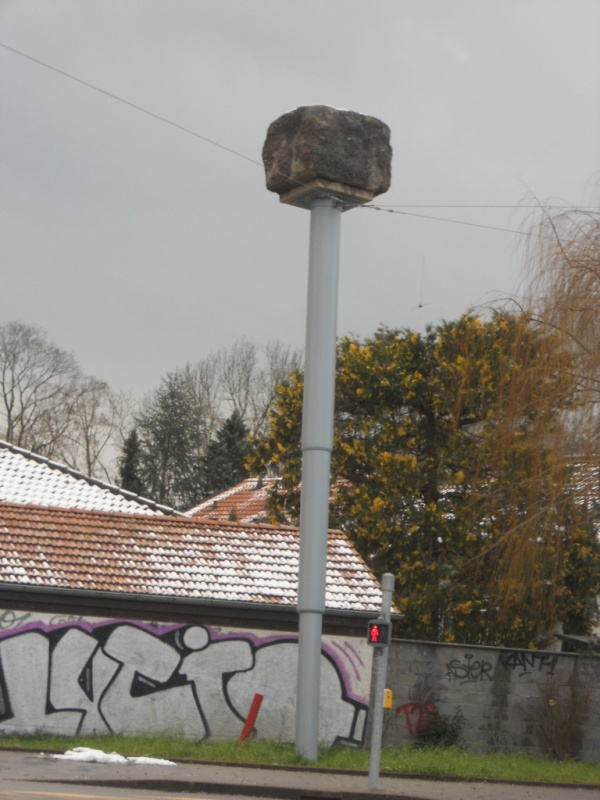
[(100, 757)]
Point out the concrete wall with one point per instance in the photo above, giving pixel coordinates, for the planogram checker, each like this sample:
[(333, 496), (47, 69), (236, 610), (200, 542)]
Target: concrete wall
[(511, 699), (74, 675)]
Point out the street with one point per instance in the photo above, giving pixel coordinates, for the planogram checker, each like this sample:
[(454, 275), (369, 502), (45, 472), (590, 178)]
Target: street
[(38, 776), (28, 790)]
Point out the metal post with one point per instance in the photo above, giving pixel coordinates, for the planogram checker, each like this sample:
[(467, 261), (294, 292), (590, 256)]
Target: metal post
[(379, 673), (317, 443)]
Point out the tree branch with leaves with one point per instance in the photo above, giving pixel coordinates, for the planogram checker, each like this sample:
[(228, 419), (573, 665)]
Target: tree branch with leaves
[(448, 470)]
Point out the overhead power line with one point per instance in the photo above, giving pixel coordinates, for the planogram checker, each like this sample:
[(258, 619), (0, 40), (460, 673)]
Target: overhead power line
[(455, 221), (385, 207), (392, 209), (129, 103)]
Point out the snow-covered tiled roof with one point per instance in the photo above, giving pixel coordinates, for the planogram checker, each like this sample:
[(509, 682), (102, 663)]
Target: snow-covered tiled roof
[(29, 478), (172, 557), (246, 502)]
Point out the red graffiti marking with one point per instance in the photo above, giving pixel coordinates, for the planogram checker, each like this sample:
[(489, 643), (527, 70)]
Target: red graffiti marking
[(415, 715)]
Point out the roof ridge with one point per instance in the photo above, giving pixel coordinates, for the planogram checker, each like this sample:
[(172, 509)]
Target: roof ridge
[(238, 488), (111, 487)]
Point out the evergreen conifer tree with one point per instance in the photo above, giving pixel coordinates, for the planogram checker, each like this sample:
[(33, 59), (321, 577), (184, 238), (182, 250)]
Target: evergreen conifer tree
[(130, 465), (224, 464), (172, 442)]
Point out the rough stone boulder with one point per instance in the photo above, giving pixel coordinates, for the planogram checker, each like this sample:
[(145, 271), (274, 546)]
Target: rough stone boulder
[(317, 145)]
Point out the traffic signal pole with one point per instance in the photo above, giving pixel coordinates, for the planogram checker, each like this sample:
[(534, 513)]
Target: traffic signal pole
[(378, 679)]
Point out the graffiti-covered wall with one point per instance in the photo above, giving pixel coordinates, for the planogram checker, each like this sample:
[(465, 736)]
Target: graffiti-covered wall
[(71, 676), (539, 702)]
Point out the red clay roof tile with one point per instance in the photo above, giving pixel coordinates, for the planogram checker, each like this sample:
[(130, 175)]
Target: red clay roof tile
[(172, 556)]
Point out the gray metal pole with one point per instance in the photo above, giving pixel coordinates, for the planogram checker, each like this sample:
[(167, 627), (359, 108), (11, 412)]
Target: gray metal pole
[(317, 443), (380, 659)]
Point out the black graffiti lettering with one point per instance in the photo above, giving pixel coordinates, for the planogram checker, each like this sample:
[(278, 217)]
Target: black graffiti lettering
[(523, 662), (470, 670), (62, 618), (10, 619)]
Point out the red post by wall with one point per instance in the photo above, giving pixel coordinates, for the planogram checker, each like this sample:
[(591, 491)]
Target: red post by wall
[(251, 718)]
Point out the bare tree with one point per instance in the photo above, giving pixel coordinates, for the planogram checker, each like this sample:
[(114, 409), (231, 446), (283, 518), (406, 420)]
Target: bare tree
[(204, 381), (98, 422), (38, 384), (49, 406), (280, 361), (250, 376), (237, 374)]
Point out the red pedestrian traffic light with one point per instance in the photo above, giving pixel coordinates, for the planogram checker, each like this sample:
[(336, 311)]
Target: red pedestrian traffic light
[(379, 633)]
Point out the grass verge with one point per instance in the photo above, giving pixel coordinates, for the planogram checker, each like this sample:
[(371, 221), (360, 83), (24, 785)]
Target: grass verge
[(450, 762)]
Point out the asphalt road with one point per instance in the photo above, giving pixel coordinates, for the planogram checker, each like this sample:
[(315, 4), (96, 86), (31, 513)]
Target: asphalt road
[(52, 791), (25, 775), (23, 790)]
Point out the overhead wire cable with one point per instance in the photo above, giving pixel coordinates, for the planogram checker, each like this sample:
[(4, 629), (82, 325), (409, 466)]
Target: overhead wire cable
[(391, 209), (153, 114), (143, 110), (454, 221), (130, 104), (386, 206)]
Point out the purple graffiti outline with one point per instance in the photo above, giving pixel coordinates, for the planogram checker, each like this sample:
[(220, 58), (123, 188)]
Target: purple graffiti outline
[(215, 635), (344, 651)]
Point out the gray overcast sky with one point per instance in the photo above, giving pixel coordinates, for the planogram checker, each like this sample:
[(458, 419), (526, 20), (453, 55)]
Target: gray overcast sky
[(139, 247)]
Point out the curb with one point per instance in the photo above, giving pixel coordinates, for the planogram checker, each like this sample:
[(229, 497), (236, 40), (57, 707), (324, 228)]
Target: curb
[(246, 789), (292, 792)]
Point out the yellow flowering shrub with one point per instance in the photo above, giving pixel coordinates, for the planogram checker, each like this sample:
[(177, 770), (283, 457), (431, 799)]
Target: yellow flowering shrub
[(448, 470)]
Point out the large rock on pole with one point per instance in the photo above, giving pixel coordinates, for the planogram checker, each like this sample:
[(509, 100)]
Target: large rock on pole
[(318, 149)]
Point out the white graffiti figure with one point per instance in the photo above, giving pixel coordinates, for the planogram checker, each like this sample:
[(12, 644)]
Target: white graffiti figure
[(25, 661), (274, 676), (207, 666), (136, 702), (80, 673), (128, 678)]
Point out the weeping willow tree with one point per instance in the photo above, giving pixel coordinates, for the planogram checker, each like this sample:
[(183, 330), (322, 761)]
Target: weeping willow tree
[(449, 470), (563, 294)]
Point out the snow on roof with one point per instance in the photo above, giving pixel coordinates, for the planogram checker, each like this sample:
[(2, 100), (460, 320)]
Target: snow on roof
[(245, 502), (29, 478), (172, 557)]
